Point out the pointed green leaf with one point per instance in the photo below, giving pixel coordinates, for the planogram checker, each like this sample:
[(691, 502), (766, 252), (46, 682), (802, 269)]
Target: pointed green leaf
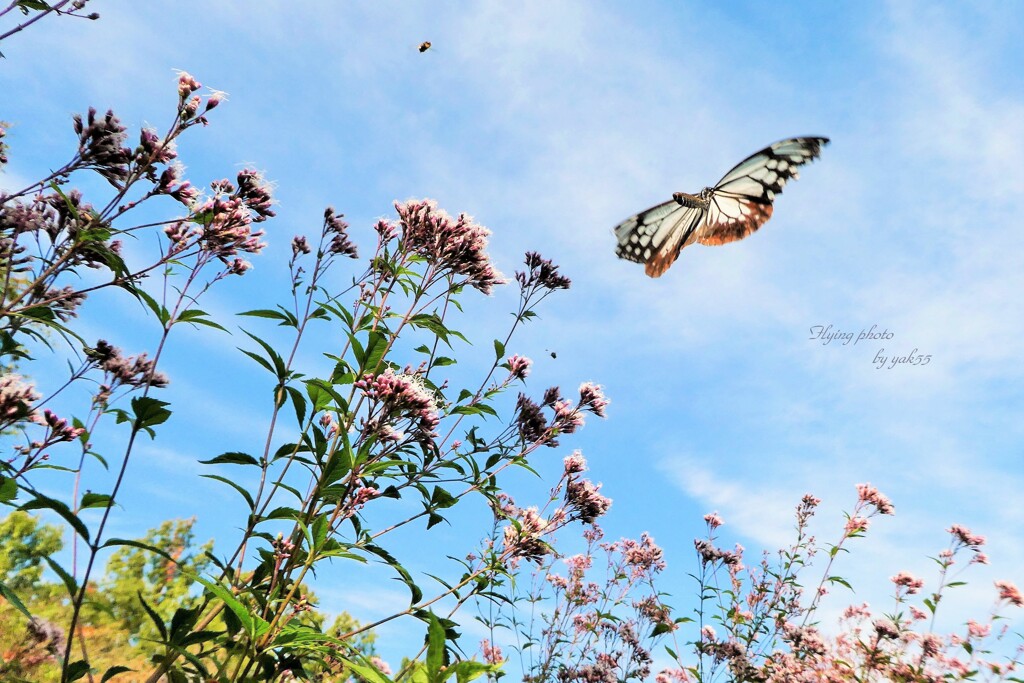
[(232, 458)]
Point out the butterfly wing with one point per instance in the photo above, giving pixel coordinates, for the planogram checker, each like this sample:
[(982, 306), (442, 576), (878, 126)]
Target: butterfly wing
[(654, 237), (742, 200)]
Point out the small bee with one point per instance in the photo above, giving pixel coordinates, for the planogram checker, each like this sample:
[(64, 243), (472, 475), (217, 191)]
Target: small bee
[(424, 46), (553, 354)]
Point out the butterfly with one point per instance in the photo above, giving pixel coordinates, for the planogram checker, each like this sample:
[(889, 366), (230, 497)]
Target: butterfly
[(739, 204)]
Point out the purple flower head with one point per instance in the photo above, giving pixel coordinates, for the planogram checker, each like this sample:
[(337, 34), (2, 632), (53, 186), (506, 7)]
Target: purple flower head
[(387, 230), (215, 98), (551, 396), (400, 396), (962, 536), (709, 554), (530, 420), (457, 244), (101, 145), (59, 428), (592, 398), (187, 85), (869, 495), (568, 417), (644, 556), (575, 463), (300, 245), (134, 371), (48, 633), (3, 146), (227, 219), (254, 191), (238, 267), (584, 500), (524, 540), (152, 150), (542, 273), (16, 399), (518, 366), (340, 243)]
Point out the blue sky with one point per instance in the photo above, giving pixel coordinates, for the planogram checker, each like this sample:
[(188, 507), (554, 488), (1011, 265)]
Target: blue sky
[(550, 123)]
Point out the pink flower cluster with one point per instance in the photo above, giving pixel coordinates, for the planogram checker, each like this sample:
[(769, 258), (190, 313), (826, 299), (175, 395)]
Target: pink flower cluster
[(457, 244), (224, 222), (400, 396), (16, 399), (523, 539), (584, 500), (868, 494), (518, 366), (568, 417)]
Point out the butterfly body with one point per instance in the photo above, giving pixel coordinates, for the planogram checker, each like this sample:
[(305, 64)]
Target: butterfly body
[(740, 203), (694, 201)]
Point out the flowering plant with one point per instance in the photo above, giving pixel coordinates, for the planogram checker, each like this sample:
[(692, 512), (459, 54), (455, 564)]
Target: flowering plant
[(379, 425)]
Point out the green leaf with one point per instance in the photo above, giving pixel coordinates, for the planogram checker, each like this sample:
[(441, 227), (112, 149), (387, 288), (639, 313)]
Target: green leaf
[(161, 313), (435, 650), (661, 628), (182, 622), (254, 625), (8, 489), (286, 319), (840, 580), (154, 617), (77, 669), (319, 532), (259, 359), (69, 581), (283, 513), (417, 592), (95, 500), (433, 323), (298, 402), (442, 361), (12, 598), (117, 542), (42, 502), (149, 412), (367, 673), (499, 350), (441, 499), (376, 347), (279, 367), (475, 409), (232, 458), (195, 316), (433, 519), (468, 670), (113, 671), (237, 487), (37, 5), (321, 394)]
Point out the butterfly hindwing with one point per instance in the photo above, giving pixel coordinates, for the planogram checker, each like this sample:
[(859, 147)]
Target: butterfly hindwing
[(655, 236), (732, 217)]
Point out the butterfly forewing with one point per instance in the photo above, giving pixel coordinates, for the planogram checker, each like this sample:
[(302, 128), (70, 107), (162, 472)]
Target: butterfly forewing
[(739, 204)]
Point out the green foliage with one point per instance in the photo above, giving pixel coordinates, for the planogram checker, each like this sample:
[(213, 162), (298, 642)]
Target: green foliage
[(164, 577), (25, 543)]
